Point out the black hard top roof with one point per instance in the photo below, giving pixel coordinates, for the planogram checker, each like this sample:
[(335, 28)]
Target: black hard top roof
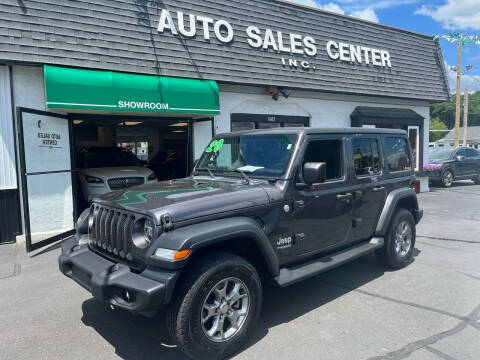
[(313, 131)]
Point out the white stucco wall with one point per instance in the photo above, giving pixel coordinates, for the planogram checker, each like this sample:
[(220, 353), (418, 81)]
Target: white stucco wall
[(8, 174), (324, 110)]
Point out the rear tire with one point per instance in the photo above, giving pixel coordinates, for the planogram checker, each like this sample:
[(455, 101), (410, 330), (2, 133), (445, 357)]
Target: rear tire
[(447, 179), (205, 299), (400, 240)]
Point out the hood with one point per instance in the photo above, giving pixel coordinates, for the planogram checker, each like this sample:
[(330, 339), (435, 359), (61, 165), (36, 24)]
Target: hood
[(116, 172), (189, 198)]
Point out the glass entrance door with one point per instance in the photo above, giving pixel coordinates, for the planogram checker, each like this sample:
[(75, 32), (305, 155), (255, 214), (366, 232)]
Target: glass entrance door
[(47, 177), (414, 137)]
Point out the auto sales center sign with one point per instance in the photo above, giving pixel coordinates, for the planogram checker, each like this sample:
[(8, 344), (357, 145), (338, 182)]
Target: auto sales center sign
[(191, 25)]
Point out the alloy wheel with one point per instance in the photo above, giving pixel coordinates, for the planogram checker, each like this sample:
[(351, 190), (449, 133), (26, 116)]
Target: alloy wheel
[(225, 309), (403, 238), (448, 178)]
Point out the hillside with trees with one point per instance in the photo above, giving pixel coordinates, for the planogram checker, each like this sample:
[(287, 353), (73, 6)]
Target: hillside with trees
[(442, 115)]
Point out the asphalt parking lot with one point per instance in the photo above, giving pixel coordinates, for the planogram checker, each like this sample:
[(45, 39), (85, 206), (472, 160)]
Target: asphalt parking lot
[(429, 310)]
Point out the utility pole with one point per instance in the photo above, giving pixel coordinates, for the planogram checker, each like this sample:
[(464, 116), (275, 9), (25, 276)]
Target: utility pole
[(465, 117), (459, 77)]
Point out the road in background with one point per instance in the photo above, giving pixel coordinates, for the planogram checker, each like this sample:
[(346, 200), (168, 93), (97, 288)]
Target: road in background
[(429, 310)]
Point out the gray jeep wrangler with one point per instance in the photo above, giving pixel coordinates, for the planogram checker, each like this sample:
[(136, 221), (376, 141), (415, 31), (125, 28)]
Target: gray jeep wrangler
[(275, 206)]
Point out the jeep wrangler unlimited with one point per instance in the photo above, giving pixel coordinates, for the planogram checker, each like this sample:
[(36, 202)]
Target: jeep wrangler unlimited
[(270, 205)]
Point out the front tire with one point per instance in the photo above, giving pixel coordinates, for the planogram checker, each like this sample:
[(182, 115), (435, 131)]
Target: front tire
[(476, 179), (400, 240), (447, 178), (216, 307)]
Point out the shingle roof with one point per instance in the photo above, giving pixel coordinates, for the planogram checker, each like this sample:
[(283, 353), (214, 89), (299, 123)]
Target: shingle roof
[(473, 134), (121, 35)]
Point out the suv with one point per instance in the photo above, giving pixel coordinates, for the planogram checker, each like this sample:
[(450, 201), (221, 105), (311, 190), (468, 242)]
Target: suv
[(278, 205)]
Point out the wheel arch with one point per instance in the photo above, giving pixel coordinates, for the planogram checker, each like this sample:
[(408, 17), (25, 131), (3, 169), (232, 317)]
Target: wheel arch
[(240, 235), (399, 198)]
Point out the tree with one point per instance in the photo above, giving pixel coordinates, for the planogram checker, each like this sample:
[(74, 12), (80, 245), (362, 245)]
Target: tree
[(445, 111), (437, 124)]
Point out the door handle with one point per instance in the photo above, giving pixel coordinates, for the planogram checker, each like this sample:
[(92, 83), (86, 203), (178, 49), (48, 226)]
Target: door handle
[(344, 197), (299, 204), (379, 188)]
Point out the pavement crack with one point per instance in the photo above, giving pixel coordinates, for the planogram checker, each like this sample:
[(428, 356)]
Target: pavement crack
[(423, 307), (468, 275), (439, 353), (408, 349), (448, 239)]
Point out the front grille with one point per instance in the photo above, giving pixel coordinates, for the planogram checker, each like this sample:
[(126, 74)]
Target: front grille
[(110, 232), (125, 182)]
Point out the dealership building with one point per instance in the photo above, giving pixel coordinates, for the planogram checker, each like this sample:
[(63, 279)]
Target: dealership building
[(159, 78)]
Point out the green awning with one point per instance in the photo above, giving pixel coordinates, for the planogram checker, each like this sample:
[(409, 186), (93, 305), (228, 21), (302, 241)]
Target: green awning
[(69, 88)]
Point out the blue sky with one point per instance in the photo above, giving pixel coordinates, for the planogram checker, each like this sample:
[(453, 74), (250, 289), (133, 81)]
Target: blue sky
[(426, 16)]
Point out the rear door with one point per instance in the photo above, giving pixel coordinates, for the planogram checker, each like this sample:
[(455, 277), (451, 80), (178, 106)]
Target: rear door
[(473, 161), (47, 176), (370, 190), (323, 212)]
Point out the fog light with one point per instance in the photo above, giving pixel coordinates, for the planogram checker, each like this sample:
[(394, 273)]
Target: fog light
[(168, 254)]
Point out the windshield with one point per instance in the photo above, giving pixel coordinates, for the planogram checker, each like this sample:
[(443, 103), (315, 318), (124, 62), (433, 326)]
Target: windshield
[(107, 157), (441, 154), (257, 155)]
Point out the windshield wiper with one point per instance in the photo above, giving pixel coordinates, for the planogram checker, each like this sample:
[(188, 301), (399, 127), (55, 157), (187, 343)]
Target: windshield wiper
[(245, 176), (210, 172)]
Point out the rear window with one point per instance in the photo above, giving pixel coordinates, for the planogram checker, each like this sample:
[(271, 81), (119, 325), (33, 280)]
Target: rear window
[(397, 154), (365, 157)]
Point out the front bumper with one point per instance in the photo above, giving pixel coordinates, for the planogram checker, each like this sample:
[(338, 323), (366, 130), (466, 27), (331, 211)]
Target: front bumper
[(115, 283)]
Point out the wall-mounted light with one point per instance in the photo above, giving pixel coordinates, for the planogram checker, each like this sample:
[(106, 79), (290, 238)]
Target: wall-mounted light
[(275, 92), (77, 122)]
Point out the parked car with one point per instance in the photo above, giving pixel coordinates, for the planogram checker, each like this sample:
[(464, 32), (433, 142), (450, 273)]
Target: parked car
[(105, 169), (278, 205), (461, 163)]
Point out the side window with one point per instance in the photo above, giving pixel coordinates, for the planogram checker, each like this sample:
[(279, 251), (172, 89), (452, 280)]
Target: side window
[(329, 152), (396, 150), (471, 153), (366, 158)]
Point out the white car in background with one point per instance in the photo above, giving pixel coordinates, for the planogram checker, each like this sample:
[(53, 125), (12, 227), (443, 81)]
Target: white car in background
[(105, 169)]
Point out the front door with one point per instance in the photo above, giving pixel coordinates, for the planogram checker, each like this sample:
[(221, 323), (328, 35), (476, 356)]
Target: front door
[(323, 212), (47, 176), (462, 165)]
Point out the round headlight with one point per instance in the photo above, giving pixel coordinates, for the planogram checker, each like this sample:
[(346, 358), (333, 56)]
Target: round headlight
[(143, 233)]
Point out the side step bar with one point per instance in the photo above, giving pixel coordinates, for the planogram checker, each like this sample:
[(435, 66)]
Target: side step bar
[(289, 276)]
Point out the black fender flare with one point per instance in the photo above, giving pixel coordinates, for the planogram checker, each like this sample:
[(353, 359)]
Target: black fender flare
[(390, 205), (200, 235)]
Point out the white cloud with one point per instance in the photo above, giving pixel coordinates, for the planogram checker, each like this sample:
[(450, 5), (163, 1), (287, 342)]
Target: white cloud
[(470, 82), (455, 14), (356, 5), (333, 8), (366, 14), (311, 3)]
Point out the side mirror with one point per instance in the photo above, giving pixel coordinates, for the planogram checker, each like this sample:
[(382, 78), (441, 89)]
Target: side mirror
[(314, 172), (459, 157)]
